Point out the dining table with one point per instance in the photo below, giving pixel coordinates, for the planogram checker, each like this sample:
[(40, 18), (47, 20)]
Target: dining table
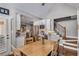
[(37, 48)]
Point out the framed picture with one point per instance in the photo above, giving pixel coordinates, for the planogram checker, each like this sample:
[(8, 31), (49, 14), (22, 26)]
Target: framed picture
[(4, 11)]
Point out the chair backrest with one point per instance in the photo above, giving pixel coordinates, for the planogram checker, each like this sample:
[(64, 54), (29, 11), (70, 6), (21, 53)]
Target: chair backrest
[(55, 50), (29, 40), (55, 47), (16, 52)]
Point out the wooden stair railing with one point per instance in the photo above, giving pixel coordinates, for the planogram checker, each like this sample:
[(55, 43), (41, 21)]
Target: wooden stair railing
[(71, 44), (61, 30)]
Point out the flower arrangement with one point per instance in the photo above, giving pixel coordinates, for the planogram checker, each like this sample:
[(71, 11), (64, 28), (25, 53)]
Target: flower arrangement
[(50, 32)]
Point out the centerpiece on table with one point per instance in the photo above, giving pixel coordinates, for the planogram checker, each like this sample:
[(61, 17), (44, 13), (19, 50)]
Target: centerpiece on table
[(50, 33)]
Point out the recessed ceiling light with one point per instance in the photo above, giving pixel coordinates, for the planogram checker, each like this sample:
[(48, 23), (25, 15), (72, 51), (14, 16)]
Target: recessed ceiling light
[(43, 4)]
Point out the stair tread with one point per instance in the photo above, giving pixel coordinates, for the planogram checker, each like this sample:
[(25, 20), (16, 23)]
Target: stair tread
[(70, 44), (71, 40), (69, 47)]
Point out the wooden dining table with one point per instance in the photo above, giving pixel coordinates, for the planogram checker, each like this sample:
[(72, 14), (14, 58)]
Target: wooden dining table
[(37, 48)]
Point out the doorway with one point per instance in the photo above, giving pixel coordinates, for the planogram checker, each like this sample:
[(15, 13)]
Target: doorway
[(4, 36)]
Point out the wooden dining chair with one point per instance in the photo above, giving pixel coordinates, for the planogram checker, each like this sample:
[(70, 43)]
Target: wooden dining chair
[(28, 40), (55, 50), (16, 52)]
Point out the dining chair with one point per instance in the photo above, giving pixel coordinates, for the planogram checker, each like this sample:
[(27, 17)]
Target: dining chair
[(28, 40), (16, 52), (39, 37), (55, 50)]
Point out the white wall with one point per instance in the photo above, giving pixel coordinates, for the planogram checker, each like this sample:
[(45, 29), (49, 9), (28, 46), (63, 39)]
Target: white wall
[(61, 10), (9, 18), (78, 27), (71, 27), (45, 22)]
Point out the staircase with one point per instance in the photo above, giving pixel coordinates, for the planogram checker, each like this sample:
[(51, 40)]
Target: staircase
[(68, 47), (68, 44)]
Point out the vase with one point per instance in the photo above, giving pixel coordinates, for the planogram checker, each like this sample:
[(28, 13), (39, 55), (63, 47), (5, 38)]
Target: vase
[(43, 41)]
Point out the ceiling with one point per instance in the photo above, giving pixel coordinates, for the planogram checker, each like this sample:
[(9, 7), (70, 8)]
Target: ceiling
[(35, 9), (75, 5)]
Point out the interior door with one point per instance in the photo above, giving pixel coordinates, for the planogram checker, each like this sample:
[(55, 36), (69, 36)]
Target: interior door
[(3, 35)]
